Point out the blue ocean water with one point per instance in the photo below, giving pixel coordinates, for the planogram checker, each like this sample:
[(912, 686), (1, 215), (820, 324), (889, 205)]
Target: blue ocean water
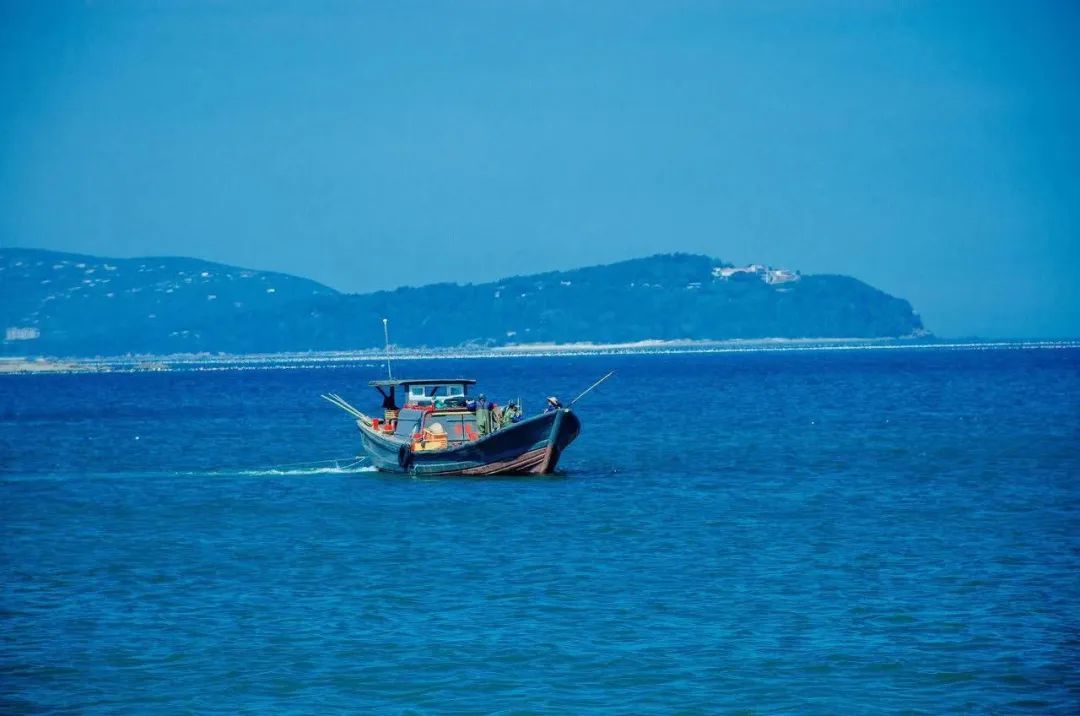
[(874, 531)]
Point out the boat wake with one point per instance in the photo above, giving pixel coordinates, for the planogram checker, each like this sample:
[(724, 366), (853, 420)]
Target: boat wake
[(334, 466), (172, 474), (343, 466), (347, 470)]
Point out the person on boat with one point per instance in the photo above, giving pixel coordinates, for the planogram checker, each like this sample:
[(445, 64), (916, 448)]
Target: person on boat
[(483, 416), (552, 404), (496, 416), (511, 415), (390, 409)]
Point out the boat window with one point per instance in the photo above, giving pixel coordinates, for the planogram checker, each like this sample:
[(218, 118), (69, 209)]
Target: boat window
[(427, 393), (408, 422)]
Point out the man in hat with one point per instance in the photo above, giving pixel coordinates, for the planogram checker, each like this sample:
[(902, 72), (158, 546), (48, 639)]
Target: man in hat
[(552, 404)]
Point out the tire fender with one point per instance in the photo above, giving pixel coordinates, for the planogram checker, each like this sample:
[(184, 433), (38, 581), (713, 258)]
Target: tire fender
[(404, 457)]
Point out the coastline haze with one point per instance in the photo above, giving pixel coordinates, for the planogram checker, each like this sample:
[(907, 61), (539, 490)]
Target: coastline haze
[(928, 151)]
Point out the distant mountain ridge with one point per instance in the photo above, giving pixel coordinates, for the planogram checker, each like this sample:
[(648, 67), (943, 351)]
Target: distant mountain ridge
[(75, 305)]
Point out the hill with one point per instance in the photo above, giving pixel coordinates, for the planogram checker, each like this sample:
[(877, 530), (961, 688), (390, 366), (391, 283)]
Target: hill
[(68, 304)]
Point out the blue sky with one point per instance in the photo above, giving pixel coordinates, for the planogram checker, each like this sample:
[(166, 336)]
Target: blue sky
[(929, 149)]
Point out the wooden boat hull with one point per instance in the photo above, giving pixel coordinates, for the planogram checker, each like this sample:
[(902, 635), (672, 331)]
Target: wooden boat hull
[(530, 447)]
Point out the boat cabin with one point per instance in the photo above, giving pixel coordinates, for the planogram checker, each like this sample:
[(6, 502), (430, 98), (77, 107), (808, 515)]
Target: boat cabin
[(435, 414), (424, 392), (432, 393)]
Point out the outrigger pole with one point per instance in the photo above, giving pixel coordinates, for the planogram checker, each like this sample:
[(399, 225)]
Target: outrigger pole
[(337, 400), (386, 335), (591, 387)]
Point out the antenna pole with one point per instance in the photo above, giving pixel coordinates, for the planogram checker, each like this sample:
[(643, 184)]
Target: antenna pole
[(386, 335)]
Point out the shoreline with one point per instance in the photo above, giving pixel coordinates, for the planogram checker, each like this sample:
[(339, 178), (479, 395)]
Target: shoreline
[(139, 363)]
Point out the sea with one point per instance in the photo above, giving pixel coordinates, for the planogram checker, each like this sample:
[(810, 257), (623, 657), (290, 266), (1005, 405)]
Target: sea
[(842, 531)]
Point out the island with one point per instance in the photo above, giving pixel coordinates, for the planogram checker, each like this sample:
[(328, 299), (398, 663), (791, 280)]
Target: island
[(72, 305)]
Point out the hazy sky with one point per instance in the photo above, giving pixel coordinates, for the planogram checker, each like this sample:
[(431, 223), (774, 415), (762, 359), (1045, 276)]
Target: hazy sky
[(929, 149)]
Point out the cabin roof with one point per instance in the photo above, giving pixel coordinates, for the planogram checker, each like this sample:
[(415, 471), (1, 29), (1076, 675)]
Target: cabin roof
[(421, 381)]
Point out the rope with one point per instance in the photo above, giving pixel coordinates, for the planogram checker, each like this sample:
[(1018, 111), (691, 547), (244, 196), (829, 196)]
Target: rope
[(351, 465)]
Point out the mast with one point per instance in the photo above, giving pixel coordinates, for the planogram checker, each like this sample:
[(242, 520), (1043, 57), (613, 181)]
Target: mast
[(386, 336)]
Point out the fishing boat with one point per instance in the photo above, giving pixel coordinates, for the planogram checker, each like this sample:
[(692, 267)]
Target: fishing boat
[(441, 430)]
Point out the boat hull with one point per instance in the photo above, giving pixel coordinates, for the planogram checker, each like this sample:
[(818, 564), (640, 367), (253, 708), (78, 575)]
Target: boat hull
[(530, 447)]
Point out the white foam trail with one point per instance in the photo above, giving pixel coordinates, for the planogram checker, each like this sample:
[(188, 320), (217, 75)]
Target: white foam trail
[(292, 471)]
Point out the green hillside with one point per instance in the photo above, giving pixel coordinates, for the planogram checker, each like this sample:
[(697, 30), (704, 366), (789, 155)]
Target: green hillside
[(66, 304)]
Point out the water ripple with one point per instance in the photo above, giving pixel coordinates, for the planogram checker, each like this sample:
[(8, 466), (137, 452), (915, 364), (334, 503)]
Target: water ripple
[(861, 532)]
